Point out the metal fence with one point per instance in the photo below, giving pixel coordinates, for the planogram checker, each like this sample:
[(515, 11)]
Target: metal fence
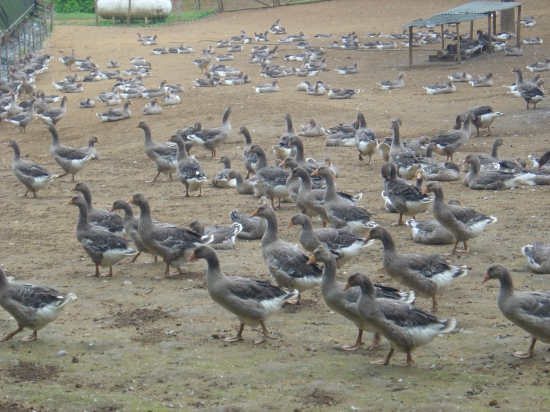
[(234, 5)]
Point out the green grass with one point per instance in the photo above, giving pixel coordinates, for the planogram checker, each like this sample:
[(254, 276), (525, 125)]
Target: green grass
[(88, 19)]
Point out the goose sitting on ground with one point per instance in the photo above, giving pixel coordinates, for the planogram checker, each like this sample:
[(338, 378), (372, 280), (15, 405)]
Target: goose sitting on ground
[(483, 116), (488, 161), (431, 232), (483, 81), (71, 160), (427, 275), (342, 212), (463, 222), (366, 140), (538, 257), (339, 93), (253, 301), (247, 187), (86, 104), (441, 88), (286, 263), (344, 302), (221, 179), (152, 108), (404, 325), (33, 176), (268, 87), (170, 99), (533, 40), (540, 66), (406, 198), (104, 248), (348, 69), (31, 306), (253, 227), (441, 172), (281, 149), (164, 157), (513, 50), (460, 77), (529, 91), (271, 178), (172, 243), (528, 310), (389, 85), (210, 139), (344, 243), (479, 179), (22, 120), (313, 129), (404, 159), (114, 115), (223, 236), (190, 171), (451, 141)]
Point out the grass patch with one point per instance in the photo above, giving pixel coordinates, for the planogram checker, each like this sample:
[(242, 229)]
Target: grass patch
[(88, 19)]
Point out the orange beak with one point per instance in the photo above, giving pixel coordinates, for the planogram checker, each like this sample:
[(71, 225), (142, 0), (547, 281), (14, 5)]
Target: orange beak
[(98, 141), (70, 202), (254, 213), (485, 278), (136, 126), (315, 172), (73, 189), (368, 238), (425, 191), (192, 257), (347, 286), (311, 260), (290, 224), (131, 200), (282, 164)]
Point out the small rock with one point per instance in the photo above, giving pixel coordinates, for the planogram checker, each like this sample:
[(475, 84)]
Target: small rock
[(78, 385), (75, 360), (494, 402), (60, 354)]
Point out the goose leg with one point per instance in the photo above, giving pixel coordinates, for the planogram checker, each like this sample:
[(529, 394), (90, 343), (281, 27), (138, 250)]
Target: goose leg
[(465, 250), (385, 361), (360, 156), (452, 251), (477, 128), (400, 221), (238, 337), (63, 175), (434, 304), (370, 157), (11, 335), (200, 192), (34, 336), (409, 357), (155, 178), (265, 336), (166, 272), (357, 344), (135, 258), (529, 353), (488, 131), (96, 274)]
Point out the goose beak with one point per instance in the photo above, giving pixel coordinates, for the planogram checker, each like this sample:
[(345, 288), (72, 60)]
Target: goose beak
[(254, 213), (485, 278), (312, 259), (290, 224), (282, 164), (192, 257), (136, 126), (131, 200), (73, 189), (368, 238), (70, 202), (315, 172), (347, 286), (425, 191), (98, 141)]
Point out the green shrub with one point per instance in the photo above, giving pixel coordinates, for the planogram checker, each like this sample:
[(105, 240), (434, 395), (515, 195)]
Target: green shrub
[(74, 6)]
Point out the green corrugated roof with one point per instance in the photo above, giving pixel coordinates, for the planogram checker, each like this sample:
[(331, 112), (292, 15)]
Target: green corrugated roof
[(467, 12), (12, 12)]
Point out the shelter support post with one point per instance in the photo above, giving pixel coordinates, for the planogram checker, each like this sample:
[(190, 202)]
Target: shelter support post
[(471, 30), (410, 45), (442, 39), (518, 34), (96, 14), (52, 5), (458, 51), (129, 11), (489, 37), (495, 22)]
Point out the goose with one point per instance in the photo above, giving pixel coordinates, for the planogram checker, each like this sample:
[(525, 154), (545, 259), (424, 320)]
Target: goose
[(488, 162), (72, 88), (441, 88), (479, 179), (99, 217), (71, 160), (406, 326), (393, 84), (317, 90), (431, 232), (406, 198), (104, 248), (190, 171), (286, 263), (528, 310), (532, 40), (33, 177), (155, 92), (272, 179), (403, 158), (235, 81), (164, 157), (86, 104), (210, 139), (130, 223), (483, 116), (441, 172), (344, 244), (530, 92), (203, 62), (276, 28), (114, 115), (339, 94), (149, 40), (249, 159), (463, 222), (366, 140), (268, 87), (159, 51), (24, 119), (427, 275), (222, 179), (253, 227), (54, 114), (309, 201), (313, 129), (344, 302), (112, 64), (13, 109), (225, 57), (170, 99), (451, 141), (68, 60), (113, 99), (25, 87), (513, 50), (184, 133), (539, 67), (208, 81), (243, 188), (483, 81), (537, 255), (31, 306), (528, 21), (152, 108), (253, 301), (224, 236), (460, 77), (389, 45), (172, 243), (341, 212), (348, 69)]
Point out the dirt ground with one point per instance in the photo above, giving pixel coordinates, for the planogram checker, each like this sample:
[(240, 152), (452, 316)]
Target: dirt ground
[(134, 343)]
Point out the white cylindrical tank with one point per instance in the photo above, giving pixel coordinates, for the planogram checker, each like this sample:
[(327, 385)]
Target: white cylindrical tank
[(152, 9)]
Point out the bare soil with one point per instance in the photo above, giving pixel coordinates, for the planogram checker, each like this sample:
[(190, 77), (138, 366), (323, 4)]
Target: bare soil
[(134, 343)]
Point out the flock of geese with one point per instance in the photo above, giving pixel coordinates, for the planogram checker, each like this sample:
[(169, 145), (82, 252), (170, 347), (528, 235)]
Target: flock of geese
[(309, 184)]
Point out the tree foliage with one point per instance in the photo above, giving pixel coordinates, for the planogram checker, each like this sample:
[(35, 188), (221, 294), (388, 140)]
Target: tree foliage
[(74, 6)]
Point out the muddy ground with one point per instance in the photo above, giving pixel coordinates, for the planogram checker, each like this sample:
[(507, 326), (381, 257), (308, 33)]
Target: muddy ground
[(134, 343)]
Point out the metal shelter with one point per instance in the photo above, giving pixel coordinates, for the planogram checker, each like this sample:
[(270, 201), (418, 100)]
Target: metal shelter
[(467, 12)]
